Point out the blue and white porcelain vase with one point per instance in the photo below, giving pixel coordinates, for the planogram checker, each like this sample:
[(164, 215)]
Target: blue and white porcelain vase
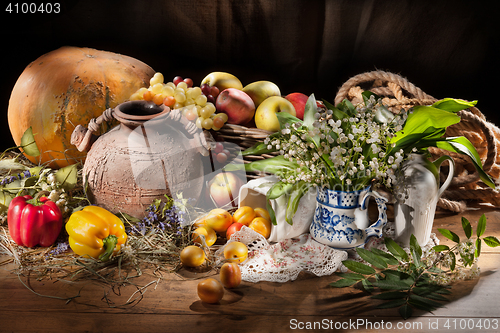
[(341, 218)]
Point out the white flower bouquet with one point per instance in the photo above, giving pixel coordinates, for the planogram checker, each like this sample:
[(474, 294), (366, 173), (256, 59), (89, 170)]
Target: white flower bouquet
[(348, 147)]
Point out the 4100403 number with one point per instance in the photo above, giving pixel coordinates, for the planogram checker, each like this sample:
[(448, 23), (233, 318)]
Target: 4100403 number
[(33, 8)]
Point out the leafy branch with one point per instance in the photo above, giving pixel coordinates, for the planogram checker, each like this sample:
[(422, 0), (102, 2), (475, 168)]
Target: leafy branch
[(412, 281)]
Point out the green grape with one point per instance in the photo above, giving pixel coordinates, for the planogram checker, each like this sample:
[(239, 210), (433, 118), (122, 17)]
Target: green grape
[(205, 112), (201, 100), (180, 97), (157, 88), (157, 78), (207, 123)]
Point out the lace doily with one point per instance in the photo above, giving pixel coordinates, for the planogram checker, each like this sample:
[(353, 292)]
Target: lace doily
[(284, 260)]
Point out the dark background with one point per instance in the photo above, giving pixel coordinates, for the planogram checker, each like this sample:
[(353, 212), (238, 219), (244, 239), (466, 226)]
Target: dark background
[(447, 48)]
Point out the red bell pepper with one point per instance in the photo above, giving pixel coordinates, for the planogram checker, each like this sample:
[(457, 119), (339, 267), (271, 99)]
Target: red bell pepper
[(34, 222)]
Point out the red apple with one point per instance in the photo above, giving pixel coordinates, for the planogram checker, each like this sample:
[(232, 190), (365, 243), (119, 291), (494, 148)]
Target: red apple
[(233, 228), (238, 106), (224, 189), (299, 103)]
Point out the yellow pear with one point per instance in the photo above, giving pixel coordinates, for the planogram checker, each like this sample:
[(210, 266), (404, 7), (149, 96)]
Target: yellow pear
[(222, 80), (260, 90), (265, 115)]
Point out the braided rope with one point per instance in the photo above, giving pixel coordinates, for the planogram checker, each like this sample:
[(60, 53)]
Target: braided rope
[(397, 93)]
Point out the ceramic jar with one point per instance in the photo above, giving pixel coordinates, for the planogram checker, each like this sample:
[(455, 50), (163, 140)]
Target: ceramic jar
[(416, 194), (152, 152), (341, 218)]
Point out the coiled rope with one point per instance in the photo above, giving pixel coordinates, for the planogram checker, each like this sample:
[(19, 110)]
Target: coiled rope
[(397, 93)]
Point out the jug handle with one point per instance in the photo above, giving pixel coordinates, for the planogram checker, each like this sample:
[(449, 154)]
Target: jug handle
[(451, 172), (375, 229), (83, 138)]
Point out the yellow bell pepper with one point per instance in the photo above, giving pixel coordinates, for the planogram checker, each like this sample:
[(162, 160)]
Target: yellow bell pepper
[(95, 232)]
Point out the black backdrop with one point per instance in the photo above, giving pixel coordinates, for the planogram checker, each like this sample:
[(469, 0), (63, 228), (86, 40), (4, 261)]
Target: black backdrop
[(447, 48)]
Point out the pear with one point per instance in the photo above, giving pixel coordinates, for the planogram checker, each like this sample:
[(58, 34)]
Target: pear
[(222, 80), (260, 90)]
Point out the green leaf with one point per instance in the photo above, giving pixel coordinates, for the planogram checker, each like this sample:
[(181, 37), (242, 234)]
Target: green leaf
[(395, 249), (278, 189), (383, 115), (450, 235), (405, 311), (462, 145), (425, 301), (298, 191), (358, 267), (453, 105), (371, 258), (258, 149), (67, 177), (415, 246), (28, 143), (437, 297), (392, 285), (416, 259), (391, 274), (387, 257), (391, 295), (286, 118), (424, 117), (426, 289), (441, 248), (11, 164), (351, 276), (367, 94), (435, 270), (491, 241), (272, 165), (271, 212), (367, 285), (453, 260), (310, 109), (467, 227), (343, 283), (477, 253), (391, 304), (481, 226)]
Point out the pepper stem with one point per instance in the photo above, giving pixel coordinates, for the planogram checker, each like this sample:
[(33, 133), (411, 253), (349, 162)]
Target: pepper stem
[(109, 244)]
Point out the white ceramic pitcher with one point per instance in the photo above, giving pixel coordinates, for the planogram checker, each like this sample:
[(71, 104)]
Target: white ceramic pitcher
[(417, 194)]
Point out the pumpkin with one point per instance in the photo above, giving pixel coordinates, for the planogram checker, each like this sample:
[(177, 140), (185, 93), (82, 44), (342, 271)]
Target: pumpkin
[(68, 87)]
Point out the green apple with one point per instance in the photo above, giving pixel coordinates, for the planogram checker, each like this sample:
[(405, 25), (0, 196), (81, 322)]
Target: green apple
[(260, 90), (265, 115)]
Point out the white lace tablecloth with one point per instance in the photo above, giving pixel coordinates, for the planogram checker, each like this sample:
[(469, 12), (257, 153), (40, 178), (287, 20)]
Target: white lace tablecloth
[(284, 260)]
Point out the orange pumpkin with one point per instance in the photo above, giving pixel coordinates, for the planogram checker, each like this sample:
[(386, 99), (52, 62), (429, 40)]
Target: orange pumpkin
[(68, 87)]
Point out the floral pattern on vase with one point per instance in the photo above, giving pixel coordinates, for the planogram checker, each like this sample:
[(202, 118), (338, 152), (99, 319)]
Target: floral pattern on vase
[(341, 218)]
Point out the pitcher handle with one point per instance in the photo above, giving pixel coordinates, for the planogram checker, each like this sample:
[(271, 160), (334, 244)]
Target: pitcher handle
[(451, 172), (375, 229)]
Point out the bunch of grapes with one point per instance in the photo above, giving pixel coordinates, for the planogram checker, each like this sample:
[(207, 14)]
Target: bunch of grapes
[(197, 104)]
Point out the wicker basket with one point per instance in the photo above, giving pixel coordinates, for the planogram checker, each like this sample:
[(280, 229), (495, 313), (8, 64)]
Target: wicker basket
[(245, 137)]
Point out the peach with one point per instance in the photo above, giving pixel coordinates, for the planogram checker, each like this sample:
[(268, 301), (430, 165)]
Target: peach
[(261, 225), (219, 221), (230, 275)]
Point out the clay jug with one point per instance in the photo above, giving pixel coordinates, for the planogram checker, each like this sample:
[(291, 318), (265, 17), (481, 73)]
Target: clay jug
[(154, 151)]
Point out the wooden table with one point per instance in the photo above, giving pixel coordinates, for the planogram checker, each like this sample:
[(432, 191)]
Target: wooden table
[(172, 305)]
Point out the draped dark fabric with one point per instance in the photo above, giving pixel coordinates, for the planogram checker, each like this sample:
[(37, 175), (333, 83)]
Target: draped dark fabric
[(445, 47)]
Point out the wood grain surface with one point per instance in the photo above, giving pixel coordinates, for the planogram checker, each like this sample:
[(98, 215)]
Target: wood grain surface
[(169, 302)]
